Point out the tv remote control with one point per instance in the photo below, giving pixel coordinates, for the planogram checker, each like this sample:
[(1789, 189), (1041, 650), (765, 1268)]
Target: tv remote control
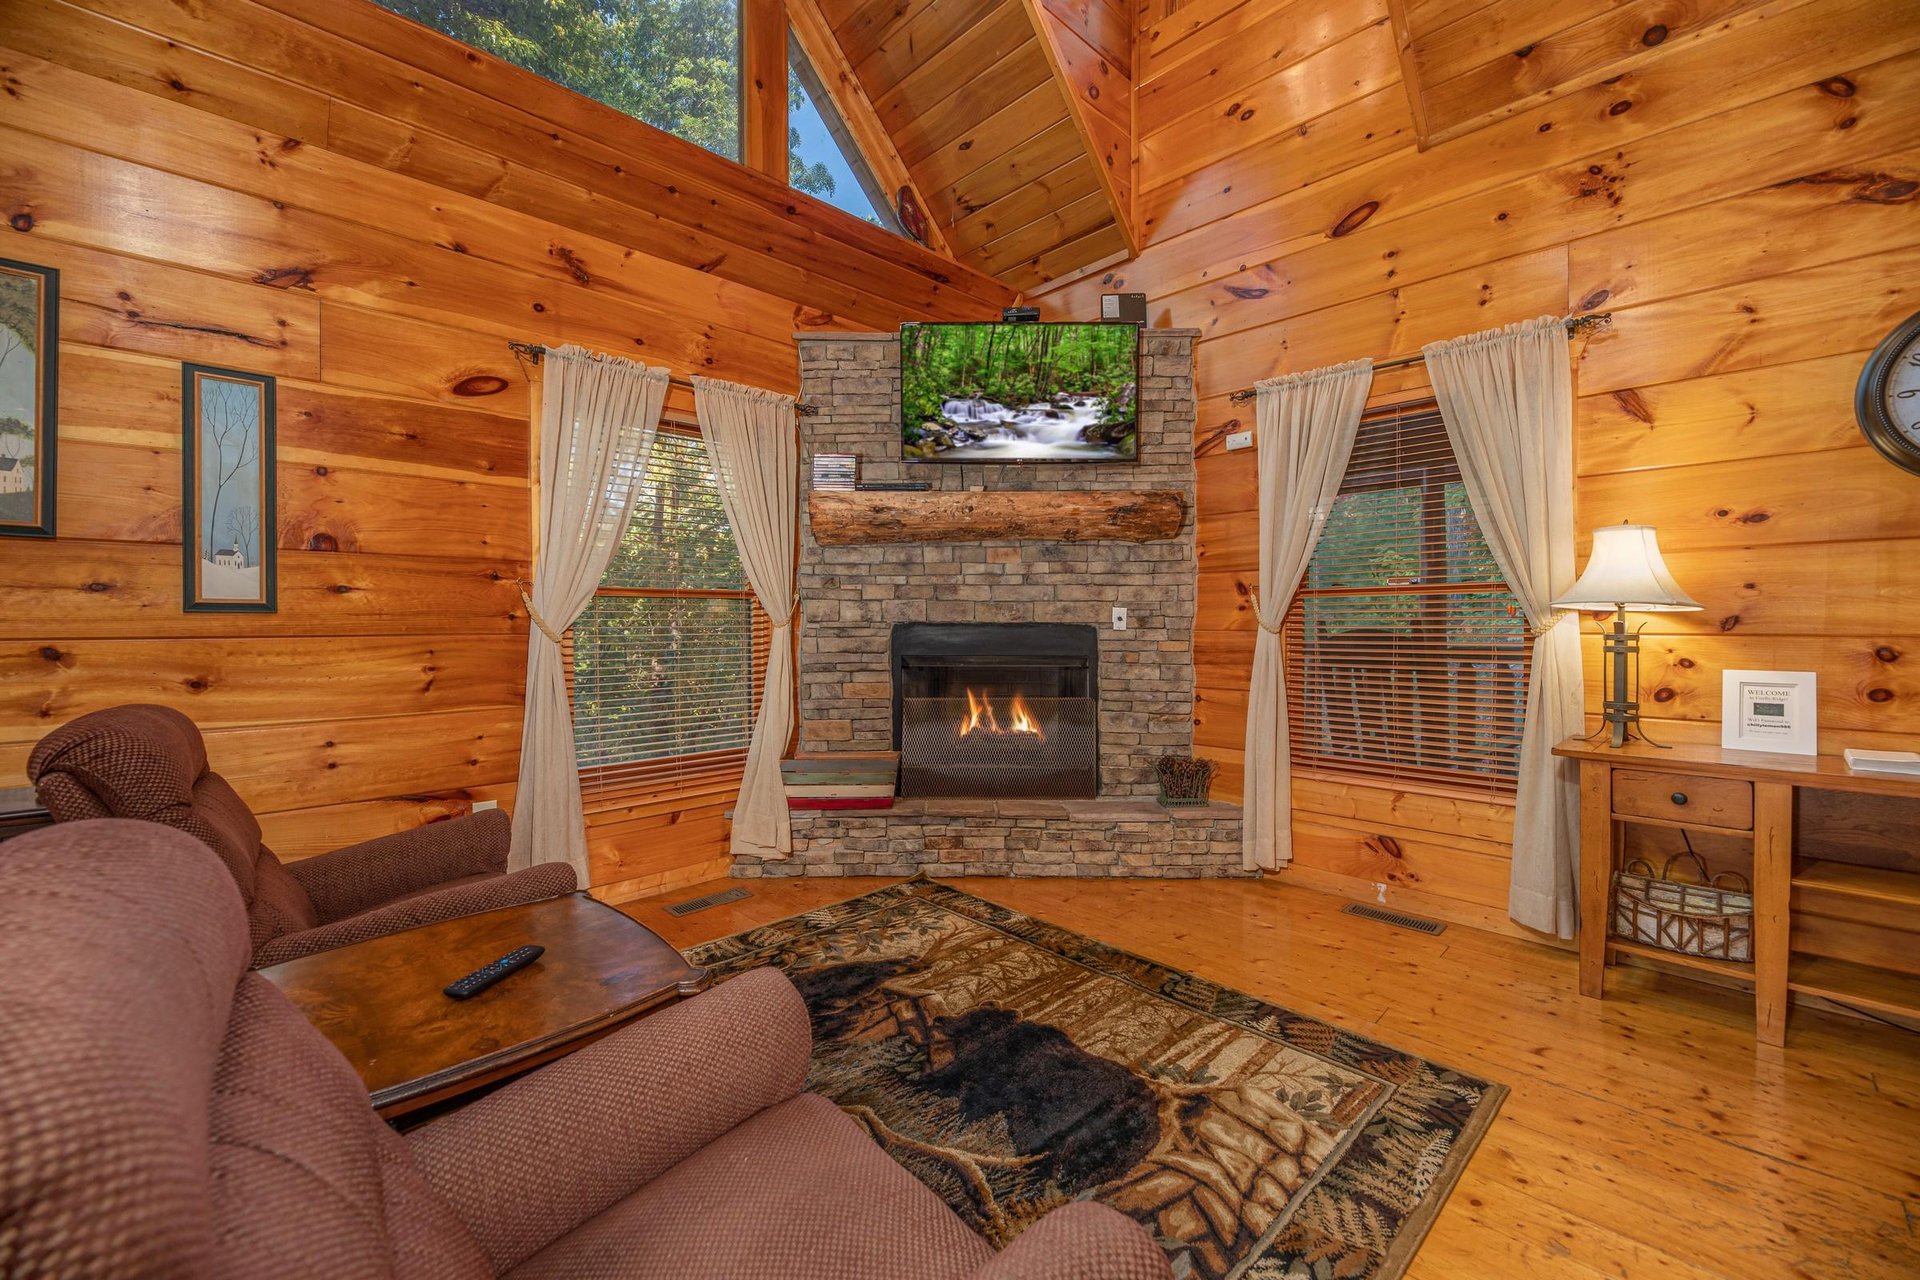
[(486, 975)]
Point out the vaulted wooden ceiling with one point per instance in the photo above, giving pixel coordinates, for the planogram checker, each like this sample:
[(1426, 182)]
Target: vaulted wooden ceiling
[(1013, 118)]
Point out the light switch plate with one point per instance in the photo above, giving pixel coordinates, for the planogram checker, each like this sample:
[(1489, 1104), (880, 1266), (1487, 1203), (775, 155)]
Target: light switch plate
[(1239, 440), (1119, 617)]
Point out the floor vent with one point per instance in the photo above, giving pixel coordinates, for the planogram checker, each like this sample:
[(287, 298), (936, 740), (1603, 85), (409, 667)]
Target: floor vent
[(720, 898), (1400, 920)]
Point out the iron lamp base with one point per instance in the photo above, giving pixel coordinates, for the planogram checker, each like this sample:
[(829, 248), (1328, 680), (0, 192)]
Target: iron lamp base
[(1620, 709)]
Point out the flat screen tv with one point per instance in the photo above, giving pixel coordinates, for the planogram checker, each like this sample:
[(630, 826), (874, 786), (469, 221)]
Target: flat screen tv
[(1019, 392)]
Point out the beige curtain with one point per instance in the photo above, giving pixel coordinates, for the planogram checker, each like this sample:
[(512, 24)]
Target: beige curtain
[(1307, 422), (1507, 397), (756, 460), (597, 419)]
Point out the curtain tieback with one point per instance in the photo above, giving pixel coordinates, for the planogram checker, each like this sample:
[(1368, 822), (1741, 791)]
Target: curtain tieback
[(1254, 598), (546, 628), (1554, 619)]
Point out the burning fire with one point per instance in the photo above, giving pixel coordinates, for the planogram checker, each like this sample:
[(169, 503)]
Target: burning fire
[(981, 716)]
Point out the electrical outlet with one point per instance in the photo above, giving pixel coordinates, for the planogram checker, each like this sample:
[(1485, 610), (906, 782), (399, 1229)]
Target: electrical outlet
[(1119, 617), (1239, 440), (1381, 889), (481, 806)]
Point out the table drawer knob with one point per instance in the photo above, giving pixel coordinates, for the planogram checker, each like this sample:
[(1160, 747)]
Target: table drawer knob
[(1678, 797)]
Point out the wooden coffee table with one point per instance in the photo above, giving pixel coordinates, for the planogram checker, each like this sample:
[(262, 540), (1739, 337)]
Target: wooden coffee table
[(380, 1001)]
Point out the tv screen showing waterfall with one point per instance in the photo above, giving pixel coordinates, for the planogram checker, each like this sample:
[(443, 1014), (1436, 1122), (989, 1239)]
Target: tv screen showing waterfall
[(1019, 392)]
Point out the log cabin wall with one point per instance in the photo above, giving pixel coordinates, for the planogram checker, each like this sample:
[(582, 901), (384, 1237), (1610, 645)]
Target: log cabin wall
[(1744, 203), (319, 190)]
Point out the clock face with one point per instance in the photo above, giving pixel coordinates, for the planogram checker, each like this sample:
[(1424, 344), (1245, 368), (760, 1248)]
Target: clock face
[(1888, 400), (1901, 395)]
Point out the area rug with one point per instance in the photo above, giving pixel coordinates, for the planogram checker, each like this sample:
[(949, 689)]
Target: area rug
[(1013, 1065)]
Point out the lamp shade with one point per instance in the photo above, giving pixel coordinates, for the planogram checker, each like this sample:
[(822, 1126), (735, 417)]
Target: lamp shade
[(1625, 570)]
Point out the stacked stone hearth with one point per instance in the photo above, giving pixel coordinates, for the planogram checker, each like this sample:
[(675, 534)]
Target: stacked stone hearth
[(851, 597)]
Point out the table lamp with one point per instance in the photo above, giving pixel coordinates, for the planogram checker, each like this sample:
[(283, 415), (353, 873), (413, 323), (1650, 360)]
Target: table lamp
[(1625, 571)]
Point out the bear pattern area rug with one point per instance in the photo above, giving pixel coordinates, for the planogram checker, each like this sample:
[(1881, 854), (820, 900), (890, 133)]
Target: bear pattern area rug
[(1013, 1065)]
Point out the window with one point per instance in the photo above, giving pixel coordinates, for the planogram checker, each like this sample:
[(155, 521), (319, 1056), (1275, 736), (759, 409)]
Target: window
[(824, 160), (667, 662), (1406, 655), (673, 63)]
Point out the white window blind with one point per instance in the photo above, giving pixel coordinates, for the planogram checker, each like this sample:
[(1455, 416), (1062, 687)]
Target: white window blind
[(667, 662), (1406, 655)]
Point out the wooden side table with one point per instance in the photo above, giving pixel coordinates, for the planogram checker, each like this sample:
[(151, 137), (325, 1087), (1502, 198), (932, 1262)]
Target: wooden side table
[(21, 812), (1752, 796), (381, 1002)]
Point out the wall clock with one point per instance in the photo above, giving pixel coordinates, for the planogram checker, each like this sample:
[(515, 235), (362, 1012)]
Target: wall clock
[(1887, 402)]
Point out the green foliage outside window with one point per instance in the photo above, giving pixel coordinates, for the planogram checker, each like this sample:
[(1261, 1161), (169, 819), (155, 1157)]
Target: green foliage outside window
[(666, 676), (661, 677), (673, 63), (1374, 538), (810, 176), (1410, 652), (678, 538)]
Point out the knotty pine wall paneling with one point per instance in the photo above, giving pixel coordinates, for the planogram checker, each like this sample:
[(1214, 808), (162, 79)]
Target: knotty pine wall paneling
[(1745, 201), (322, 191)]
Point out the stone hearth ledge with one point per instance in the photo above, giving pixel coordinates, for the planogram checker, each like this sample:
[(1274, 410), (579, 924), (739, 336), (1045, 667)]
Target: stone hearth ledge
[(1088, 809), (1110, 836)]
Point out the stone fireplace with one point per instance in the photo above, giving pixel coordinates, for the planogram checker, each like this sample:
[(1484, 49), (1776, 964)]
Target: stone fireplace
[(1000, 709), (894, 634)]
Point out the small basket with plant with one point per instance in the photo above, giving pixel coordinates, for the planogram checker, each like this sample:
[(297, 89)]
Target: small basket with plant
[(1184, 781)]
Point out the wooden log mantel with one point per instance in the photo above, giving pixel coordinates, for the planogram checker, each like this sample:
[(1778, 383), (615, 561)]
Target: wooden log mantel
[(845, 518)]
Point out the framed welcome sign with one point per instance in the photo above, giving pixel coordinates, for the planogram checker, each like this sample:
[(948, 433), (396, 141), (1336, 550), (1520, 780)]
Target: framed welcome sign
[(1770, 711), (29, 388), (227, 508)]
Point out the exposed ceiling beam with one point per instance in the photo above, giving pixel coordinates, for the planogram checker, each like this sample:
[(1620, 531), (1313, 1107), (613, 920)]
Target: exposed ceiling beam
[(1099, 95)]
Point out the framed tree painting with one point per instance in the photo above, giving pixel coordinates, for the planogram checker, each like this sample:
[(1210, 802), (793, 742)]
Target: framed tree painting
[(227, 509), (29, 391)]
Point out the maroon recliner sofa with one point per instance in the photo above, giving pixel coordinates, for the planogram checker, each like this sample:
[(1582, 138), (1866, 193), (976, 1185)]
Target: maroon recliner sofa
[(168, 1113), (150, 763)]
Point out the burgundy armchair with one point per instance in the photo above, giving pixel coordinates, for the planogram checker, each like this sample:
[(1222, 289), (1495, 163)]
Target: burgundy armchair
[(150, 763), (168, 1113)]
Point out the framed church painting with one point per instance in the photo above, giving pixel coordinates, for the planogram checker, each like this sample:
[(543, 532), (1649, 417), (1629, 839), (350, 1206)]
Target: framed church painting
[(29, 392), (227, 507)]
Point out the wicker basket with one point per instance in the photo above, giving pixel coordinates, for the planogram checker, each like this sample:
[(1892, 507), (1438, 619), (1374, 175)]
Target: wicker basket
[(1693, 919), (1185, 781)]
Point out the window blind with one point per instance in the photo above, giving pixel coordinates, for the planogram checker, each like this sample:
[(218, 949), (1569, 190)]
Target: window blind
[(1406, 655), (667, 662)]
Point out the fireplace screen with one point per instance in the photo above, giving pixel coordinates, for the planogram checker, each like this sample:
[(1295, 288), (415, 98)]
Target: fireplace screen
[(996, 710)]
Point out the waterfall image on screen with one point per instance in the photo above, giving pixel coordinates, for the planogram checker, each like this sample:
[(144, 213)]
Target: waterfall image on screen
[(1019, 392)]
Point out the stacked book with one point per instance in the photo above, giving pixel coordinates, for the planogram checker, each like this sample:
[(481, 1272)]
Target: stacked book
[(835, 471), (841, 779)]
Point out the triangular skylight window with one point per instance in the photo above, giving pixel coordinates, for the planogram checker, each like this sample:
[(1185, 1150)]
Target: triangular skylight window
[(824, 161)]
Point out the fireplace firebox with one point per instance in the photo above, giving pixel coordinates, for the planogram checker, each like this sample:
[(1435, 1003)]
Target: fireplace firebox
[(996, 709)]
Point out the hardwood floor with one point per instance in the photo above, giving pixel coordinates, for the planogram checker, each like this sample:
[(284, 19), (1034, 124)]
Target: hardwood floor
[(1646, 1136)]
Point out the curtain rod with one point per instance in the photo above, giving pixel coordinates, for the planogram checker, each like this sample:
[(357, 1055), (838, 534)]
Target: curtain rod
[(533, 351), (1593, 319)]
